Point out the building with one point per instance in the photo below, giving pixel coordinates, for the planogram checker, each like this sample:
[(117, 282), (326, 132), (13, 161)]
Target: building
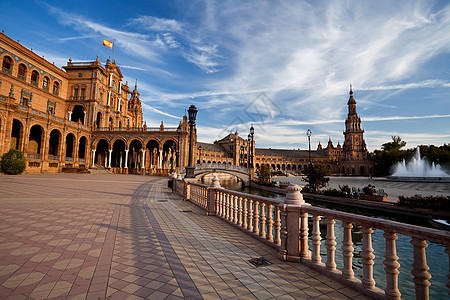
[(79, 117), (349, 159)]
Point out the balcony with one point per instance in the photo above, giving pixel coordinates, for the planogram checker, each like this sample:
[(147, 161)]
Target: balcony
[(7, 71)]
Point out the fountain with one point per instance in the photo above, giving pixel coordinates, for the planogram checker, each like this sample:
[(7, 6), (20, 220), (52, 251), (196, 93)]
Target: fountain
[(418, 169)]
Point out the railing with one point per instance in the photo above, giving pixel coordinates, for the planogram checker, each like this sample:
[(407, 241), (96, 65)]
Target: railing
[(217, 166), (33, 156), (53, 157), (284, 226), (141, 129), (7, 71), (68, 158)]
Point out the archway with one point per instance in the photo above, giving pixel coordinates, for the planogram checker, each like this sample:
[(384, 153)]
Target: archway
[(169, 154), (82, 149), (54, 144), (77, 114), (118, 154), (16, 135), (70, 142), (153, 153), (100, 153), (134, 155), (35, 141)]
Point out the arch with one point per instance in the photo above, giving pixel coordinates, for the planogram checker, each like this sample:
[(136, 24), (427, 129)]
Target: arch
[(82, 148), (294, 168), (169, 154), (100, 153), (16, 135), (34, 77), (134, 155), (288, 167), (22, 72), (45, 83), (361, 170), (273, 167), (7, 64), (70, 143), (54, 143), (56, 88), (35, 140), (257, 165), (118, 154), (78, 114), (278, 167)]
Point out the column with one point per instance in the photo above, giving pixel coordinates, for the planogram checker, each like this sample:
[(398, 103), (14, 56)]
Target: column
[(120, 163), (70, 115), (126, 159), (160, 159), (109, 159), (84, 119), (143, 158), (93, 157)]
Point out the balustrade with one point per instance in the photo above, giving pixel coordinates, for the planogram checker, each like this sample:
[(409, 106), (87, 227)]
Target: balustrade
[(270, 221)]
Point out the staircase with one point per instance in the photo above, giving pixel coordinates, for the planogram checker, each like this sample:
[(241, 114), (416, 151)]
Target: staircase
[(96, 169)]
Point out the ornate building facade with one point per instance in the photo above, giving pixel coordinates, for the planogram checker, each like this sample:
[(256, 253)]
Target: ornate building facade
[(349, 159), (79, 117)]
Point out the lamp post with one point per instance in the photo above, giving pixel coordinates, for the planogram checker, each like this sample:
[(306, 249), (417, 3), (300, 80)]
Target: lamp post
[(192, 113), (312, 182), (178, 146), (200, 154), (251, 139), (242, 156), (308, 134)]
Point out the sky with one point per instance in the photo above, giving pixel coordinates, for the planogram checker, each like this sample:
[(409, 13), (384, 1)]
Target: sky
[(283, 66)]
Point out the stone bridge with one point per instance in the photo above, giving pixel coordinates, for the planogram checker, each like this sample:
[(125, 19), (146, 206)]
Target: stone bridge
[(203, 169)]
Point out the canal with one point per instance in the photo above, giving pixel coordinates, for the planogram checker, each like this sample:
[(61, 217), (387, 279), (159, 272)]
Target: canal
[(437, 259)]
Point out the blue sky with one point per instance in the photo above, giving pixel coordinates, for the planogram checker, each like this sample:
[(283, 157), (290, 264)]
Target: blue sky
[(284, 66)]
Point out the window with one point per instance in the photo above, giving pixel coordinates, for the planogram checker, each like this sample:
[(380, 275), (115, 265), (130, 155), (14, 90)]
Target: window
[(83, 93), (45, 83), (75, 93), (56, 88), (26, 98), (114, 86), (51, 107), (22, 72), (34, 78), (7, 65), (80, 75)]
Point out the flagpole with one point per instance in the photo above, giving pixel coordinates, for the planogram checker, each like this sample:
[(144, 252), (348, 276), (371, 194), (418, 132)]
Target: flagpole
[(113, 50)]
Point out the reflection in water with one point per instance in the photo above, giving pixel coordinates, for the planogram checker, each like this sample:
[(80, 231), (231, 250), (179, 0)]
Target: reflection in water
[(435, 252)]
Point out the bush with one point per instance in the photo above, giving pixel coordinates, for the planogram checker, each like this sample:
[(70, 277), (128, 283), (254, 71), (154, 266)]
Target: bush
[(13, 162), (441, 203), (336, 193)]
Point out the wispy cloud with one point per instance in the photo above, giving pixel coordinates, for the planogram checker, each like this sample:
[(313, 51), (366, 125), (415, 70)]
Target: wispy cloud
[(148, 107)]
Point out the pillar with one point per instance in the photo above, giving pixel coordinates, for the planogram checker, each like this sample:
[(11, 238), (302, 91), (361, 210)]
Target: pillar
[(93, 157), (109, 158), (126, 159), (143, 158)]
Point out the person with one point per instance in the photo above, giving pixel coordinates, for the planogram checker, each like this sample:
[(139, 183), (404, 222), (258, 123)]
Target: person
[(374, 191)]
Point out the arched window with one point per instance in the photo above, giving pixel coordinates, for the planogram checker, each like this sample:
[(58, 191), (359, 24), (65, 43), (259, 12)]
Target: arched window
[(56, 88), (34, 77), (22, 72), (45, 83), (7, 65)]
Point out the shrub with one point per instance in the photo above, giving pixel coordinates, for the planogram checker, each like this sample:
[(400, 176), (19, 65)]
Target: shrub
[(441, 203), (13, 162), (336, 193)]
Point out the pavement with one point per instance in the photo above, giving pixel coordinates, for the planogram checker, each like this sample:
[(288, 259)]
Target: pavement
[(105, 236)]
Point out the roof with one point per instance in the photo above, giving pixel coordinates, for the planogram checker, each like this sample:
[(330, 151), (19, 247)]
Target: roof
[(211, 147), (290, 153)]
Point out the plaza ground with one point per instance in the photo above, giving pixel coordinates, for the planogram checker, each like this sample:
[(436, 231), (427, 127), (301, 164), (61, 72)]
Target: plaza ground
[(104, 236)]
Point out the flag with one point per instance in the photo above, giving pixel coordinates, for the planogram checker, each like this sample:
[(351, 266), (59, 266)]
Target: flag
[(108, 44)]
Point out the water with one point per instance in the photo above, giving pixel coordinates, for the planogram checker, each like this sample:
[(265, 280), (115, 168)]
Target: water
[(418, 167), (435, 252)]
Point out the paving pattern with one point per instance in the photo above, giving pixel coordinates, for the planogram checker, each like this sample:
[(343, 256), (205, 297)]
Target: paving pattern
[(102, 236)]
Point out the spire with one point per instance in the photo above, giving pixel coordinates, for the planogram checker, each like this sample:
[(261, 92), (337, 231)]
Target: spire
[(135, 87), (351, 100)]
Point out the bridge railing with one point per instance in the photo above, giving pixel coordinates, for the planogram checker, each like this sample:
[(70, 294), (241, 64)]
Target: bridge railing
[(284, 225), (217, 166)]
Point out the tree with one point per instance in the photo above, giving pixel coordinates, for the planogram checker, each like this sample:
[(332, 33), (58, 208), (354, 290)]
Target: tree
[(388, 156), (13, 162), (264, 173), (315, 176), (396, 144)]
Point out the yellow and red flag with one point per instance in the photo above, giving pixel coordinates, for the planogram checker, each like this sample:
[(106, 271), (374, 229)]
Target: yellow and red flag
[(108, 44)]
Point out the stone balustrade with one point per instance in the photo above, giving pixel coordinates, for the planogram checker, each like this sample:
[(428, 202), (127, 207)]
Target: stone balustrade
[(285, 226)]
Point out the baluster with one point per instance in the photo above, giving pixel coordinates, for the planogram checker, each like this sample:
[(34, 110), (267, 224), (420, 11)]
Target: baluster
[(220, 204), (244, 216), (277, 239), (250, 215), (367, 258), (391, 266), (262, 220), (347, 251), (331, 245), (283, 233), (316, 240), (304, 251), (269, 222), (223, 204), (235, 209), (231, 208), (239, 211), (255, 218), (227, 206), (420, 269)]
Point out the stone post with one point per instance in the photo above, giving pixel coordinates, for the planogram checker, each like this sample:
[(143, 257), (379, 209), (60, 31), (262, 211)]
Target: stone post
[(295, 244), (93, 158), (109, 158), (215, 184)]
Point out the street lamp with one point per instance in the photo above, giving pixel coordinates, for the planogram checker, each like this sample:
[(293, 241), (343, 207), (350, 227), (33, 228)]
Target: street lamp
[(242, 155), (200, 154), (192, 114), (308, 134), (251, 139)]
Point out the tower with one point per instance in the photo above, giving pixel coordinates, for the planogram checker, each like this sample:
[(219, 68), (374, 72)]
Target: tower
[(354, 149)]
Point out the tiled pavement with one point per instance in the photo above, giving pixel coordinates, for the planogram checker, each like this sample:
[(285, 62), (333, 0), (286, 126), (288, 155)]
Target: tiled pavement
[(70, 236)]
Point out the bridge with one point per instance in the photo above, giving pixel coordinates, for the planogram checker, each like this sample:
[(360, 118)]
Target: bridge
[(202, 170)]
